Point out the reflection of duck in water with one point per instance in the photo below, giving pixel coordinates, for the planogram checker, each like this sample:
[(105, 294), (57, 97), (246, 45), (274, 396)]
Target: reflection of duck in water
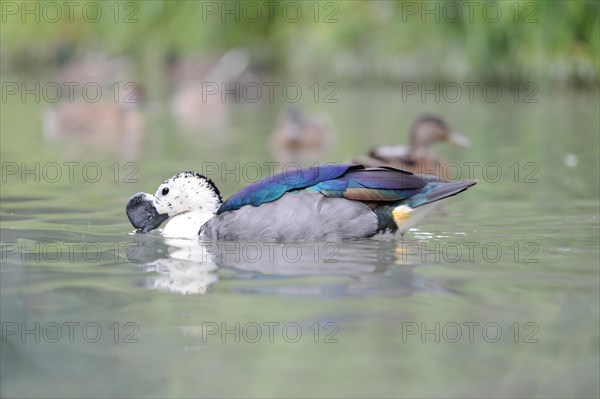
[(103, 125), (181, 276), (419, 156), (357, 268), (186, 267)]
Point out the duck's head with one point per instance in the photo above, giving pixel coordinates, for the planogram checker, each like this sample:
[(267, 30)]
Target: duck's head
[(188, 194), (429, 129)]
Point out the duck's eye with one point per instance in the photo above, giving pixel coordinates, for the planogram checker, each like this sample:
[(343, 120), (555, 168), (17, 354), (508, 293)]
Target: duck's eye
[(165, 191)]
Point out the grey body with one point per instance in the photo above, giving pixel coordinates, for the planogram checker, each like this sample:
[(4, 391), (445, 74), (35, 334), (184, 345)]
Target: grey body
[(297, 217)]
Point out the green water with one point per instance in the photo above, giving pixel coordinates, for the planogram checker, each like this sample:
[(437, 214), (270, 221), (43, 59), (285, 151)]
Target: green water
[(494, 294)]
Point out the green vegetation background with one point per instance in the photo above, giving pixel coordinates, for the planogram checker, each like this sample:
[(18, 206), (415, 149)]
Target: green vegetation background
[(549, 41)]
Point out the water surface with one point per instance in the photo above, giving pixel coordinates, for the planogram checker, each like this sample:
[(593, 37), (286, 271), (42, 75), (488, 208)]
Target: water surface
[(494, 294)]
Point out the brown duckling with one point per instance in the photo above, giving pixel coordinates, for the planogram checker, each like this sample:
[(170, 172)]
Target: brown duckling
[(97, 67), (299, 132), (104, 125), (199, 101), (419, 156)]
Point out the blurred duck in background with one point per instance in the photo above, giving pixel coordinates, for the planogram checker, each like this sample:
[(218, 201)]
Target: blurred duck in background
[(179, 69), (419, 157), (199, 101), (111, 126), (300, 137), (95, 67)]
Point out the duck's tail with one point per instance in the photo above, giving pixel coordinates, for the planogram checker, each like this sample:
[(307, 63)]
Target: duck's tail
[(435, 191), (416, 207)]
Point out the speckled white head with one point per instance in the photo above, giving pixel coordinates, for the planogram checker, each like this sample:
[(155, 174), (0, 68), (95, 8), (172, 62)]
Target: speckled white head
[(187, 191), (190, 199)]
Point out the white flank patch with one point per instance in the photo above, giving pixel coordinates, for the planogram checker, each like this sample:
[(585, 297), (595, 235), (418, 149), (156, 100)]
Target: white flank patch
[(407, 217)]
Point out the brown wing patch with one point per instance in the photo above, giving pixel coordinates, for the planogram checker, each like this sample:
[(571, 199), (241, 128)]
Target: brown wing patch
[(369, 194)]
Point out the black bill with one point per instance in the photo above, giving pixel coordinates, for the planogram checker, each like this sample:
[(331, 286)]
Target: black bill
[(142, 214)]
